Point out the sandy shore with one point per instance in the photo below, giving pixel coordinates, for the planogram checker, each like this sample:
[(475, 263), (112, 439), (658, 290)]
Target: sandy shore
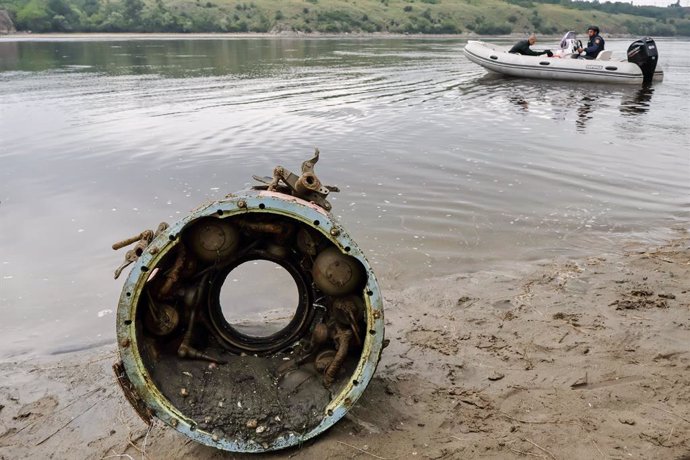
[(561, 359)]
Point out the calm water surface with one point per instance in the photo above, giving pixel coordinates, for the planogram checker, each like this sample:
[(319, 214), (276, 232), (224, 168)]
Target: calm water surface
[(443, 168)]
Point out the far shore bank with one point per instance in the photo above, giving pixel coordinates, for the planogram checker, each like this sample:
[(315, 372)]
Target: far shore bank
[(28, 36)]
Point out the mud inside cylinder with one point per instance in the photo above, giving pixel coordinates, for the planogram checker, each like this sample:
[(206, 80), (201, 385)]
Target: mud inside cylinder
[(230, 383)]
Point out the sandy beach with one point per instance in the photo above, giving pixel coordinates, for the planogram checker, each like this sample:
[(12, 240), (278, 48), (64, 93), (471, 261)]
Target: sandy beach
[(557, 359)]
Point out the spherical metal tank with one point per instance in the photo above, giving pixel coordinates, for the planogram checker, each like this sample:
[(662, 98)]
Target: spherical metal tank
[(335, 273), (186, 363)]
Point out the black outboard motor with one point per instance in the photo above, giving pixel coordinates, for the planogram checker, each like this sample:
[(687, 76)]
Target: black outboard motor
[(643, 52)]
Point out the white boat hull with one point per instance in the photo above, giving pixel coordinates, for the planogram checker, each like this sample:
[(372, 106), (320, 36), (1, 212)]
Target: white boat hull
[(498, 60)]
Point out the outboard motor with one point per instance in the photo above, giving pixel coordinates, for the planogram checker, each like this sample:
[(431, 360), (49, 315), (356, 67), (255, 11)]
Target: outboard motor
[(643, 52)]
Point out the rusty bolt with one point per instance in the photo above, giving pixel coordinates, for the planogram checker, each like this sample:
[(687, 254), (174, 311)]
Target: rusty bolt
[(241, 204), (377, 314), (335, 231), (125, 342)]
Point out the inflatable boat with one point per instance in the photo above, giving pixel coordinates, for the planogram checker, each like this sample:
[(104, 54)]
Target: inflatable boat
[(638, 68)]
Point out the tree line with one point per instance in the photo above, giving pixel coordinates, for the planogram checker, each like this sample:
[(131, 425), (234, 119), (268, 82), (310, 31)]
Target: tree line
[(327, 16)]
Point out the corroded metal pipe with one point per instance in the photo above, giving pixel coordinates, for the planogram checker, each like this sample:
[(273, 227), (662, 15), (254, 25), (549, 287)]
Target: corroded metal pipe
[(343, 338), (177, 273)]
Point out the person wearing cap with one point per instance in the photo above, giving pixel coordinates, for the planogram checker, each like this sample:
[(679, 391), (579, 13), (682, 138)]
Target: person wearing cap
[(595, 45), (523, 47)]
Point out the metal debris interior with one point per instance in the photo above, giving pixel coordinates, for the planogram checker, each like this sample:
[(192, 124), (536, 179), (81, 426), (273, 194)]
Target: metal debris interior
[(185, 363)]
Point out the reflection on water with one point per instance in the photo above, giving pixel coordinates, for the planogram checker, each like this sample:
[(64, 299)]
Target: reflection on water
[(638, 102), (9, 55), (565, 96), (442, 168), (584, 112), (245, 58), (520, 101)]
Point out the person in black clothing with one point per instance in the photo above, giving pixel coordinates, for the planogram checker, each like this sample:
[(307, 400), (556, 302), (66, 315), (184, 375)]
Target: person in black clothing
[(595, 45), (523, 47)]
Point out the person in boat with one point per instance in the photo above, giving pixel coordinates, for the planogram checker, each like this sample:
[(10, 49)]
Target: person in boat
[(595, 45), (523, 47)]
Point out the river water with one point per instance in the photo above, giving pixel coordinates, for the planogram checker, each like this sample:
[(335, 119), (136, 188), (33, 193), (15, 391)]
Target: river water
[(442, 168)]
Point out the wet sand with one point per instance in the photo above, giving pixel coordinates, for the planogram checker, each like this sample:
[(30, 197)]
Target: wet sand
[(558, 359)]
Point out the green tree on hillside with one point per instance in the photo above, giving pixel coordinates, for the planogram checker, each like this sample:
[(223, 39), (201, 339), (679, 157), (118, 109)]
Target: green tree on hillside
[(486, 17), (132, 10), (34, 16)]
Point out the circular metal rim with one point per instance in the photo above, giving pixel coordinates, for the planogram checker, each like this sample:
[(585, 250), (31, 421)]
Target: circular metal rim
[(245, 202), (302, 316)]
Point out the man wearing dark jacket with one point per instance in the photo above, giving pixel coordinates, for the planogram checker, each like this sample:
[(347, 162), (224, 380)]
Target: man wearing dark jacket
[(595, 45), (523, 47)]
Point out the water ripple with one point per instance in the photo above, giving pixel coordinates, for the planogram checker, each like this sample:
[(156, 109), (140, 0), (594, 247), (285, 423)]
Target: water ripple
[(442, 166)]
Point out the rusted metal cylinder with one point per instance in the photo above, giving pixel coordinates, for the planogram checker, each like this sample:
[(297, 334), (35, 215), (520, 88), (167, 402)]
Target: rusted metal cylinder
[(184, 362), (308, 182)]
